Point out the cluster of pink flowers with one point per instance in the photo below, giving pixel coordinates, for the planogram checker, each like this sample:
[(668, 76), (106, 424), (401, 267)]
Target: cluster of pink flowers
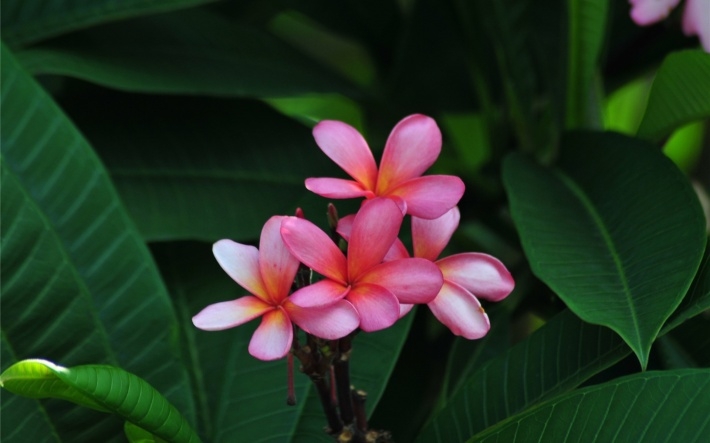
[(696, 16), (377, 281)]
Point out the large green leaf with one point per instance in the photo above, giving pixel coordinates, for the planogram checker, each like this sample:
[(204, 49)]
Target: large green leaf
[(616, 231), (680, 94), (186, 52), (78, 283), (558, 357), (25, 22), (104, 388), (238, 396), (650, 407), (586, 32), (199, 168)]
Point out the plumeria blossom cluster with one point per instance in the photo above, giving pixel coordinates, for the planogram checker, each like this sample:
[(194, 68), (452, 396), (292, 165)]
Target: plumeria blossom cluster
[(376, 282), (696, 16), (372, 281)]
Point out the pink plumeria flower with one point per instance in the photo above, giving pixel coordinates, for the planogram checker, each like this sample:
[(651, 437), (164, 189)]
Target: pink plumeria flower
[(696, 16), (268, 274), (467, 277), (412, 147), (376, 289)]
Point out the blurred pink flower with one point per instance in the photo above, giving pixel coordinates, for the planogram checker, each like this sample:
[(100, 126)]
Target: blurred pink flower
[(268, 275), (376, 289), (412, 147), (696, 16), (467, 276)]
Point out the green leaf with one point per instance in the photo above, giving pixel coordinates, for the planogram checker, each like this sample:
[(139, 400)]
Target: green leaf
[(78, 283), (100, 387), (680, 94), (186, 52), (135, 434), (201, 168), (616, 231), (670, 406), (556, 358), (29, 418), (586, 32), (26, 22)]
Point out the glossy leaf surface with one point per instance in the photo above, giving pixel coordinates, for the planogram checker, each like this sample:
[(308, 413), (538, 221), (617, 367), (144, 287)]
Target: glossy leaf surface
[(616, 231), (104, 388), (650, 407)]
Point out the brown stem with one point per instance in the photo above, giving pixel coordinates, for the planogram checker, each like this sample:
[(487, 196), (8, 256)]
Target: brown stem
[(328, 408), (358, 398)]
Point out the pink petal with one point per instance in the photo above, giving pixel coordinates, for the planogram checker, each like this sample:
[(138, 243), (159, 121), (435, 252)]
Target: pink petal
[(345, 226), (348, 149), (241, 262), (272, 339), (329, 322), (324, 292), (314, 248), (411, 280), (228, 314), (278, 267), (412, 147), (459, 310), (378, 308), (696, 21), (397, 251), (485, 276), (374, 230), (646, 12), (337, 188), (430, 196), (404, 309), (430, 237)]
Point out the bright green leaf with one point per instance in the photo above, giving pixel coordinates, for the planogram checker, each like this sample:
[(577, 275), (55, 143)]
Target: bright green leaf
[(680, 94), (649, 407), (616, 231), (136, 434), (78, 282), (104, 388)]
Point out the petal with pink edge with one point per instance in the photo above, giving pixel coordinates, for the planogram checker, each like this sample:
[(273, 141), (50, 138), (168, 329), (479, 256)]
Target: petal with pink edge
[(374, 230), (314, 248), (378, 308), (412, 147), (345, 226), (337, 188), (228, 314), (459, 310), (272, 339), (430, 196), (348, 149), (430, 237), (485, 276), (324, 292), (276, 264), (241, 262), (329, 322), (411, 280), (646, 12), (397, 251), (696, 21)]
